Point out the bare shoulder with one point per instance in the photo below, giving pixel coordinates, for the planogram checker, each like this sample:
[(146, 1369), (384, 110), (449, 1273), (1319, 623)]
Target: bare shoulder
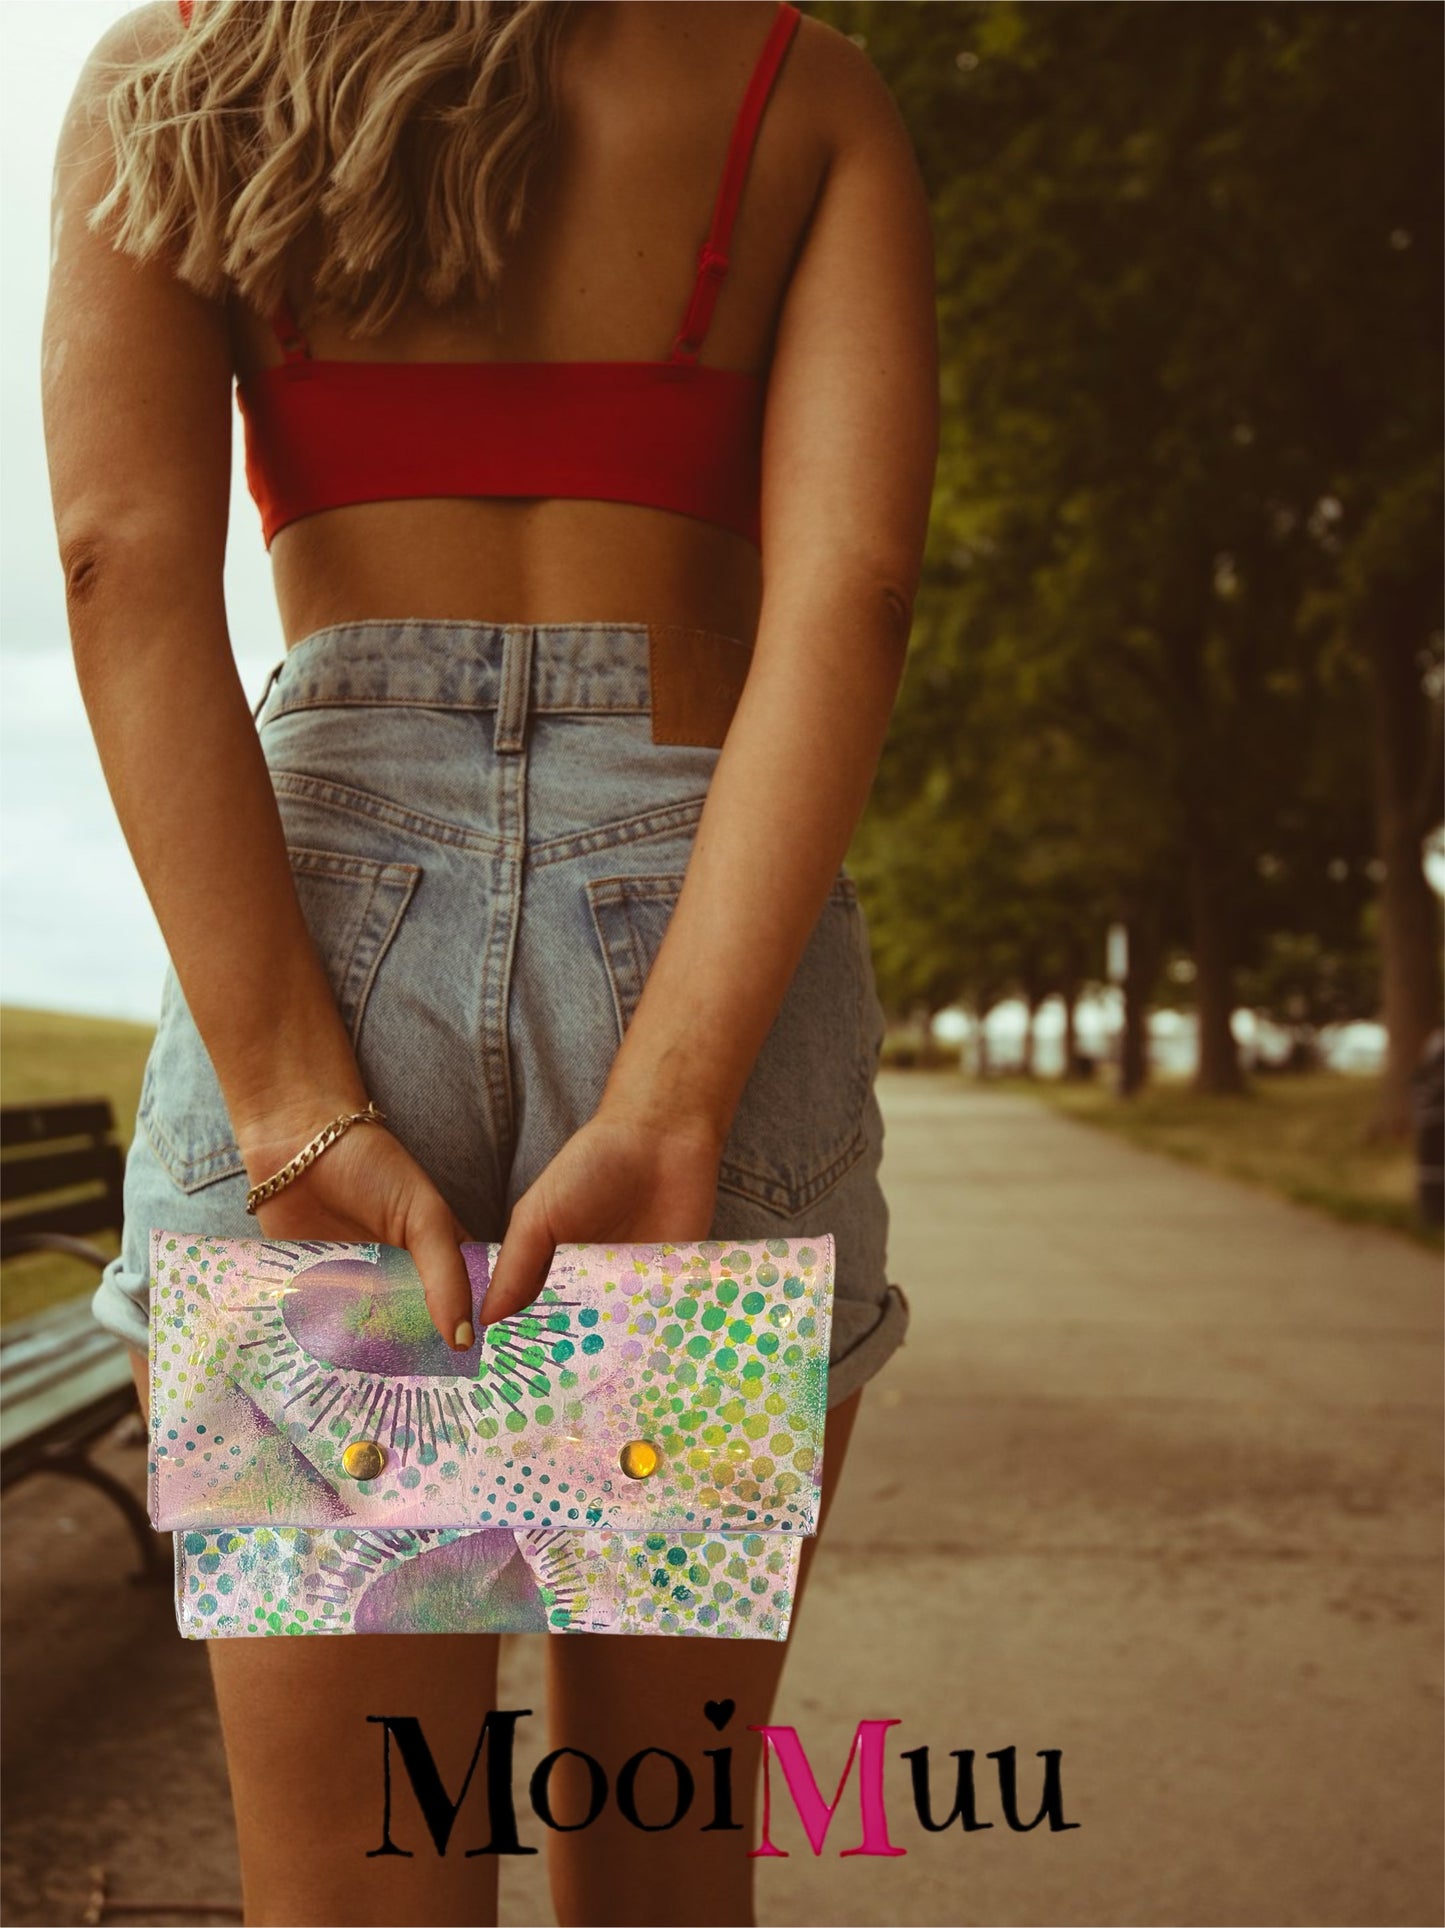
[(850, 444), (136, 36), (85, 153), (850, 97), (873, 198), (829, 92)]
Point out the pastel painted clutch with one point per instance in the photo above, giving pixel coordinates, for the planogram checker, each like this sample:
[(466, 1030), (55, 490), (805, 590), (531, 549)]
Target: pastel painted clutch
[(638, 1451)]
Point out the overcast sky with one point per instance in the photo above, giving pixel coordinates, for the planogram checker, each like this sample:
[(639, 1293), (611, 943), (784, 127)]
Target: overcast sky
[(76, 930)]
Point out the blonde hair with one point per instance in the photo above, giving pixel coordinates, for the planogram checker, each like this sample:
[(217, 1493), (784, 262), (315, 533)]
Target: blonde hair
[(399, 133)]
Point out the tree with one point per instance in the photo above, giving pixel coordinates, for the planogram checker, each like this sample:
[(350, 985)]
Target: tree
[(1187, 495)]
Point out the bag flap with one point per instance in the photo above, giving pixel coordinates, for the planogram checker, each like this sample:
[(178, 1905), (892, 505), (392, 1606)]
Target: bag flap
[(649, 1387)]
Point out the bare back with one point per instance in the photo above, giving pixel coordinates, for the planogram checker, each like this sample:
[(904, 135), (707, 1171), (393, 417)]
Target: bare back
[(646, 100)]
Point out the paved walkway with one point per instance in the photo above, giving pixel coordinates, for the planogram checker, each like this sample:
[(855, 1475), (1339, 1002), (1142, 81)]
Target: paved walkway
[(1155, 1482)]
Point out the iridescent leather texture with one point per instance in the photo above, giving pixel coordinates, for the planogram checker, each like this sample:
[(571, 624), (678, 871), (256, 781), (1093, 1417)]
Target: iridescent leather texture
[(640, 1450)]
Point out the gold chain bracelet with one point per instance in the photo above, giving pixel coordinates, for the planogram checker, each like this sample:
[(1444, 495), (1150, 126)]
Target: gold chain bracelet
[(309, 1153)]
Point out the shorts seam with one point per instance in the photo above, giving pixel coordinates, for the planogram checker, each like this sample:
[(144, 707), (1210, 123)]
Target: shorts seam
[(368, 807), (619, 833)]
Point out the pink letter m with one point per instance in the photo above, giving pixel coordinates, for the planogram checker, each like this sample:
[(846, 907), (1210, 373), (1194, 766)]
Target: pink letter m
[(814, 1812)]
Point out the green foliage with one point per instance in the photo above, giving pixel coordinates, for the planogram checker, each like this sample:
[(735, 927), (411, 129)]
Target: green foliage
[(1189, 263)]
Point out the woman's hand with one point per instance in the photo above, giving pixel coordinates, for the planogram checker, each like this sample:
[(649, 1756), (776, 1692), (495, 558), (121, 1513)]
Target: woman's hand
[(367, 1186), (626, 1177)]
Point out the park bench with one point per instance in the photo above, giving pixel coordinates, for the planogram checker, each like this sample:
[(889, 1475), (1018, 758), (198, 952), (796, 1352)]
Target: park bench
[(64, 1380)]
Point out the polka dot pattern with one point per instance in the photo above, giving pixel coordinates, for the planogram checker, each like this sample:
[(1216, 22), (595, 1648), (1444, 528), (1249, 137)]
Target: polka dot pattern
[(264, 1581), (270, 1358)]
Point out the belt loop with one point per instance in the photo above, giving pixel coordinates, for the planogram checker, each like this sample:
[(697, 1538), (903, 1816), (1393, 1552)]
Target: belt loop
[(515, 684), (270, 683)]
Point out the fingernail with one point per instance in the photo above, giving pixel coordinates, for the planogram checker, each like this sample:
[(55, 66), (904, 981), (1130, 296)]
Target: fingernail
[(465, 1336)]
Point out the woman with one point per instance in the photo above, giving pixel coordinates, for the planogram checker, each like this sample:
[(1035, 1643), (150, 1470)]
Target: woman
[(536, 842)]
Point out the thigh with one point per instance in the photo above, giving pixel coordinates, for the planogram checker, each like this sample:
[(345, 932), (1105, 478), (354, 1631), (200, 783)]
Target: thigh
[(612, 1695), (309, 1786), (306, 1771)]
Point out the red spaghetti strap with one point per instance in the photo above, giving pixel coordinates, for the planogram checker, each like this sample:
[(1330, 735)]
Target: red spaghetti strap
[(185, 7), (713, 255)]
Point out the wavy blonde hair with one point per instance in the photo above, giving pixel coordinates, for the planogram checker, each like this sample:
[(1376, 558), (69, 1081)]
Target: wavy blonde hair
[(399, 133)]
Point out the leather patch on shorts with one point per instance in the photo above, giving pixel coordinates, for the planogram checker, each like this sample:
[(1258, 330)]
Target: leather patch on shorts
[(696, 677)]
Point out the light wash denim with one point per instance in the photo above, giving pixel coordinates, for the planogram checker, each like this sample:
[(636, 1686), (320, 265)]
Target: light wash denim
[(487, 846)]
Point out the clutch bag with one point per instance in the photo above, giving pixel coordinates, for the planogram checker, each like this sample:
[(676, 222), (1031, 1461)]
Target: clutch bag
[(640, 1450)]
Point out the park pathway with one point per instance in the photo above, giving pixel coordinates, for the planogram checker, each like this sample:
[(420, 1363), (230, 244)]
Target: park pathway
[(1155, 1481)]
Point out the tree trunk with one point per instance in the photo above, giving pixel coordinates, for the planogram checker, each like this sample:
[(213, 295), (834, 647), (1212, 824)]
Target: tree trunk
[(1031, 1010), (981, 1067), (1140, 975), (1069, 992), (1406, 806), (1219, 1068)]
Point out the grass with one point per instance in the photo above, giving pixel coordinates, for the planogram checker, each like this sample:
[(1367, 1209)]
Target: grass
[(46, 1056), (1303, 1136)]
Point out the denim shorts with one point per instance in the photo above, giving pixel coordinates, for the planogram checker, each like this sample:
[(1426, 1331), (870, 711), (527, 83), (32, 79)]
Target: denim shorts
[(487, 844)]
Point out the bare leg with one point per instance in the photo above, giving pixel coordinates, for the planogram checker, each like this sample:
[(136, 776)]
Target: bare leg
[(612, 1695), (306, 1776), (306, 1772)]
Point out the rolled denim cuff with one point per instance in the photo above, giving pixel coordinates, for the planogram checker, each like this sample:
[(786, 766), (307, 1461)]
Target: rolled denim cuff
[(865, 1337), (121, 1303)]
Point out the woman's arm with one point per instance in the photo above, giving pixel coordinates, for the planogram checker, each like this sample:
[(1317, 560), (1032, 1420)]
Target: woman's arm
[(849, 450), (136, 377), (850, 447)]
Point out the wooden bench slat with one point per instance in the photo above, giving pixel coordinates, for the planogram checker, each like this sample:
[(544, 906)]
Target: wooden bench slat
[(78, 1215), (42, 1355), (23, 1419), (70, 1311), (64, 1379), (57, 1348), (55, 1171), (36, 1124)]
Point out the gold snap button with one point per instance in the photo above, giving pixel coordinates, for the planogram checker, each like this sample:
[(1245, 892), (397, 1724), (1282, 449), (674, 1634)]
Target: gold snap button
[(639, 1459), (363, 1459)]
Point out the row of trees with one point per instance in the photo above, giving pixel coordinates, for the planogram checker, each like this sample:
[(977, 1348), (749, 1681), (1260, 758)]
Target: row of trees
[(1177, 655)]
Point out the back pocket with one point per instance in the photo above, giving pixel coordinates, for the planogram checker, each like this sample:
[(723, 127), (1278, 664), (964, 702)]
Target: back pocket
[(799, 1126), (353, 907)]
